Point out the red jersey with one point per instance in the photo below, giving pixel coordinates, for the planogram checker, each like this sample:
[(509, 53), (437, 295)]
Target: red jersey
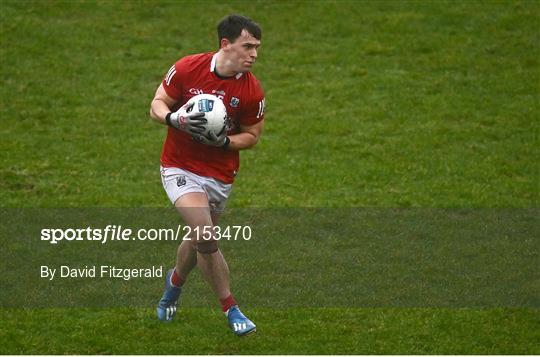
[(243, 97)]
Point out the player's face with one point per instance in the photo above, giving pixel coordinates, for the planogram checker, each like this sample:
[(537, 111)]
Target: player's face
[(242, 53)]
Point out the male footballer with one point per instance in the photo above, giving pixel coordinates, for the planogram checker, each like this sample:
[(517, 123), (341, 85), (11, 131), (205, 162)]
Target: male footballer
[(197, 170)]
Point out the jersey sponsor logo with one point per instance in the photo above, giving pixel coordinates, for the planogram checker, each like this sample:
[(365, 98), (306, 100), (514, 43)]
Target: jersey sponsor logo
[(234, 102), (170, 75), (261, 109), (196, 91), (219, 93)]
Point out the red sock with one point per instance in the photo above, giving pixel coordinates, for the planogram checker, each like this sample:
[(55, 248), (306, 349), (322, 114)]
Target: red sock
[(227, 303), (176, 280)]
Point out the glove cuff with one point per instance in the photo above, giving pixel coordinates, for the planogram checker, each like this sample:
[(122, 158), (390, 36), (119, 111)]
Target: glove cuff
[(168, 119), (225, 145)]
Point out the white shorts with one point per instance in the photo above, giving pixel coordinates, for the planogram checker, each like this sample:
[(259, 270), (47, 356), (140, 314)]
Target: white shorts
[(177, 182)]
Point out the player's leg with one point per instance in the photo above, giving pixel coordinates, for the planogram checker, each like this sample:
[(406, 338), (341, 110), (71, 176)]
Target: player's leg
[(177, 182), (186, 256), (186, 260), (238, 322), (195, 211)]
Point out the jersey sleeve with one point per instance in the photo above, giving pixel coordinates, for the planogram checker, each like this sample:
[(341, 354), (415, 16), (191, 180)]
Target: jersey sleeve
[(172, 82), (254, 110)]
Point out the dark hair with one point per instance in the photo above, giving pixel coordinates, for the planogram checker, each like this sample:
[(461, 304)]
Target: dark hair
[(230, 27)]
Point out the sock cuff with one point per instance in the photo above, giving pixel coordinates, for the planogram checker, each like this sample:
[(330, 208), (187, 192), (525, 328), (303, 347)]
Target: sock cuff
[(175, 279), (227, 303)]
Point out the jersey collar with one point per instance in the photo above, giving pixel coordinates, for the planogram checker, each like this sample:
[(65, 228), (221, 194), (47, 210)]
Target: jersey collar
[(213, 67)]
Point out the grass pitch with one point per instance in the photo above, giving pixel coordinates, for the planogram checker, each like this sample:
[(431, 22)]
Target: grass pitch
[(370, 104), (280, 331)]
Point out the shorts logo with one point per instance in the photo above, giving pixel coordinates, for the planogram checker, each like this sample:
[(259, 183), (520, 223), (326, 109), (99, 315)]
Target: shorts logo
[(234, 102), (181, 180)]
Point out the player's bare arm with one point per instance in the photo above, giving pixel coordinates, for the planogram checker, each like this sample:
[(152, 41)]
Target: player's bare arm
[(247, 138), (161, 105)]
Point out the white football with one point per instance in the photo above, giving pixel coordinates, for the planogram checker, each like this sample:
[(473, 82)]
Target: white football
[(214, 111)]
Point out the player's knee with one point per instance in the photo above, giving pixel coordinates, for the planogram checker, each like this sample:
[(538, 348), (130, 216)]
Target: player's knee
[(207, 246)]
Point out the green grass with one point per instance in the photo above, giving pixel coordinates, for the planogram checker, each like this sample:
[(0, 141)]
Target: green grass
[(430, 104), (369, 103), (314, 331)]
